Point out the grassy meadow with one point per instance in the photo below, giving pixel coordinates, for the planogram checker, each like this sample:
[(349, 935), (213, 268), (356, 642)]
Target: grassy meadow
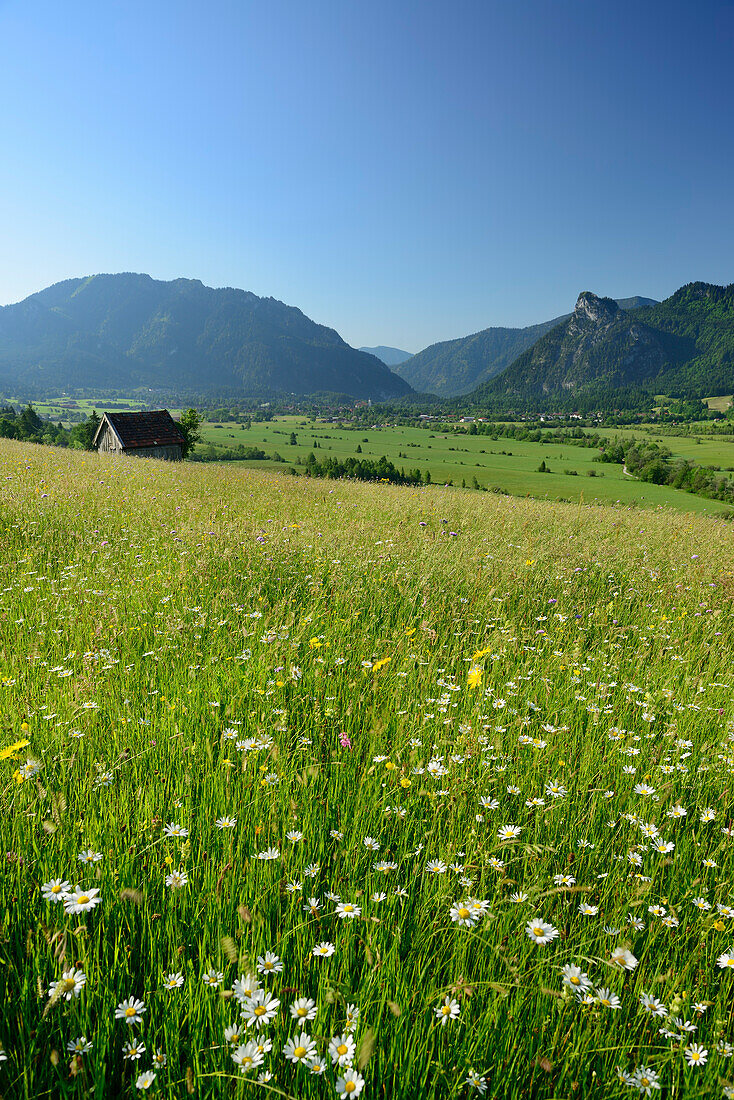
[(507, 464), (320, 789), (504, 465)]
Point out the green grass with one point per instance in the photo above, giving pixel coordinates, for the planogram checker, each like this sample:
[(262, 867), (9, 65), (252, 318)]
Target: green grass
[(458, 458), (721, 404), (350, 636)]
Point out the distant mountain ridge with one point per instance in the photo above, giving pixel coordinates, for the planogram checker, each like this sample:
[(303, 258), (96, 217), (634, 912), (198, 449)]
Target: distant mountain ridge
[(129, 330), (455, 367), (389, 356), (683, 346)]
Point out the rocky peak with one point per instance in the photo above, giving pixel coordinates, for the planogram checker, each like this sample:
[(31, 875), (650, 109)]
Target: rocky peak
[(599, 310)]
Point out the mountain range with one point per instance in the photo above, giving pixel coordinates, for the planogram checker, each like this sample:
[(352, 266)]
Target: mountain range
[(682, 346), (390, 356), (127, 331), (454, 367)]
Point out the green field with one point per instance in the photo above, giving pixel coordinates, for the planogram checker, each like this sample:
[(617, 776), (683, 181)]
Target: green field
[(463, 457), (320, 788), (504, 465)]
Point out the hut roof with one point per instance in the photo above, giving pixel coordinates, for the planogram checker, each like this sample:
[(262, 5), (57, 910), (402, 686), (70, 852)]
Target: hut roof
[(143, 429)]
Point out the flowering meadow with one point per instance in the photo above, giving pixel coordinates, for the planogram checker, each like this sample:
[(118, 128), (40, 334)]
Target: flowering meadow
[(319, 789)]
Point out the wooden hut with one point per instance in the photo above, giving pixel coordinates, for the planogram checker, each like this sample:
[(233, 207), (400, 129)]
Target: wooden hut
[(146, 434)]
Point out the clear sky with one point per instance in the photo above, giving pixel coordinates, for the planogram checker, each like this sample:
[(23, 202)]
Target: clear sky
[(403, 170)]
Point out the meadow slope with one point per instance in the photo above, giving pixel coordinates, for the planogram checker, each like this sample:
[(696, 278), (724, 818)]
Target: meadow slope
[(315, 788)]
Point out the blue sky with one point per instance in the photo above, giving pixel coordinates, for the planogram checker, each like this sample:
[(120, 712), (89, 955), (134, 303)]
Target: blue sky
[(403, 171)]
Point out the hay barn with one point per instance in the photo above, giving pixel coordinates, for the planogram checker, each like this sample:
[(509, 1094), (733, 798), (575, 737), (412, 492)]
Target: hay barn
[(145, 434)]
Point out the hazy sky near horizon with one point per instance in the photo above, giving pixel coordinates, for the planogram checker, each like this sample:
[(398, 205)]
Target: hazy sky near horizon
[(405, 171)]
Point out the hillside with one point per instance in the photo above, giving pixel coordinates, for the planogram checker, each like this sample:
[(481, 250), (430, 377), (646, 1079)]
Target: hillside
[(366, 746), (391, 357), (455, 367), (126, 331), (683, 346)]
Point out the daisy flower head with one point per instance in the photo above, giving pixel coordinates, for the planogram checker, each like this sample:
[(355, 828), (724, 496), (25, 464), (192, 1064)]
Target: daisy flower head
[(133, 1050), (607, 998), (447, 1010), (347, 910), (575, 978), (623, 958), (509, 832), (352, 1017), (269, 854), (79, 1046), (324, 949), (69, 985), (696, 1054), (269, 963), (244, 987), (79, 901), (55, 890), (463, 915), (646, 1079), (173, 981), (248, 1057), (351, 1084), (213, 978), (145, 1080), (260, 1010), (172, 829), (226, 822), (476, 1082), (341, 1050), (303, 1009), (315, 1065), (436, 866), (89, 856), (299, 1048), (177, 879), (726, 960), (131, 1011), (653, 1005), (540, 932)]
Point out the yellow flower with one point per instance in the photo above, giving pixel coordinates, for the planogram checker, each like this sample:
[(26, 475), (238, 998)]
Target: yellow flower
[(315, 643), (389, 766), (380, 664), (474, 678), (405, 782), (12, 749)]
